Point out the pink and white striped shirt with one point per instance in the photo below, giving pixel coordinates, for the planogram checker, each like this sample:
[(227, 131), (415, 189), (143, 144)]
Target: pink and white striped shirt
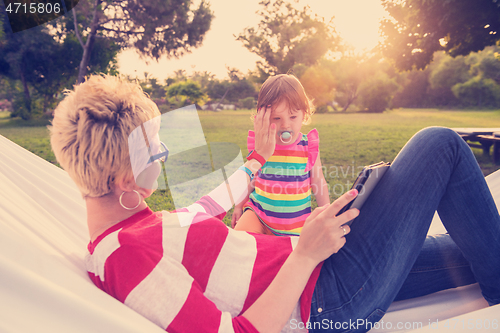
[(196, 278)]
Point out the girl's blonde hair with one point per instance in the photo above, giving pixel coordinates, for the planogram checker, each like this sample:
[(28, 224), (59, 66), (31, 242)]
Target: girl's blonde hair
[(90, 129), (285, 88)]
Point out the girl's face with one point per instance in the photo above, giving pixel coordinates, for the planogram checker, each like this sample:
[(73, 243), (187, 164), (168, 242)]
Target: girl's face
[(286, 120)]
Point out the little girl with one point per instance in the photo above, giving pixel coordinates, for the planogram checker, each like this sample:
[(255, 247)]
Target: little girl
[(280, 194)]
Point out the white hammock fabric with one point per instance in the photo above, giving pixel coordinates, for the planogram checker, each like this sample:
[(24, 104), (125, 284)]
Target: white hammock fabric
[(43, 283)]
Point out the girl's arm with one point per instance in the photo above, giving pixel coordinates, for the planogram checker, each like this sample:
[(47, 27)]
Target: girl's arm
[(319, 184)]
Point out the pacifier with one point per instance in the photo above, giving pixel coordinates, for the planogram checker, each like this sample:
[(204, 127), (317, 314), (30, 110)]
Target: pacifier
[(286, 137)]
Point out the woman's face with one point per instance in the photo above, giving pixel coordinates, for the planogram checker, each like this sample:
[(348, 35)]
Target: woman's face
[(286, 119), (148, 178)]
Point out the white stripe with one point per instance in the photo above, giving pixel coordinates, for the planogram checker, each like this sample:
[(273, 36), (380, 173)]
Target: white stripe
[(295, 323), (226, 323), (174, 237), (96, 261), (294, 240), (184, 219), (230, 277), (196, 208), (162, 294), (238, 182)]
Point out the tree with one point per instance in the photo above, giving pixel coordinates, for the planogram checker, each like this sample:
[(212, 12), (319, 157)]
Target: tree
[(154, 28), (33, 58), (478, 91), (375, 94), (483, 86), (449, 72), (47, 64), (237, 88), (287, 36), (487, 64), (186, 92), (421, 27), (413, 90), (350, 72), (319, 82)]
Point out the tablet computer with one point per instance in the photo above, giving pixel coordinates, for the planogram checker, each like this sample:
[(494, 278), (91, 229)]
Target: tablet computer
[(366, 182)]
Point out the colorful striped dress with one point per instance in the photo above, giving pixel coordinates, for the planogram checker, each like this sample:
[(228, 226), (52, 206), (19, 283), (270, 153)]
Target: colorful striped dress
[(282, 195)]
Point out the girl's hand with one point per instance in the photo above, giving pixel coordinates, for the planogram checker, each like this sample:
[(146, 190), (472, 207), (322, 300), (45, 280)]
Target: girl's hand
[(238, 211), (265, 133), (323, 231)]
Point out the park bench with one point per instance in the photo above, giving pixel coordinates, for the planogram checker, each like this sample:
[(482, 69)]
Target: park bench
[(482, 138)]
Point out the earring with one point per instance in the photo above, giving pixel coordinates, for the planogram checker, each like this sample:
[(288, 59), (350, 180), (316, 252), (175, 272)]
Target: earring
[(130, 208)]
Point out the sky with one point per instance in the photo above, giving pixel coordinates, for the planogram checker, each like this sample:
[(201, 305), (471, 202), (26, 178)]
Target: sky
[(357, 22)]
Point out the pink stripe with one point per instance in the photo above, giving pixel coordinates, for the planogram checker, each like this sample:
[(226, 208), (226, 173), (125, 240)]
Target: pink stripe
[(270, 257), (280, 189), (251, 141), (212, 207), (286, 227), (313, 140), (306, 297), (198, 314), (241, 324), (128, 262), (283, 183), (199, 265)]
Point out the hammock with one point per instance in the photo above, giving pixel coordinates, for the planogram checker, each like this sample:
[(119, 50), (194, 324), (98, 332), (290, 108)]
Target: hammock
[(44, 285)]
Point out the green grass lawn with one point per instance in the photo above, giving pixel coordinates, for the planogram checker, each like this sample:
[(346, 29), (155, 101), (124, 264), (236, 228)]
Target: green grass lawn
[(347, 141)]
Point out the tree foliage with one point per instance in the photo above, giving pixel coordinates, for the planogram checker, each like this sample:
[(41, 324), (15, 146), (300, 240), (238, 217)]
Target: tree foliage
[(421, 27), (184, 93), (375, 94), (287, 36), (319, 82), (478, 91), (155, 28), (464, 81), (45, 64)]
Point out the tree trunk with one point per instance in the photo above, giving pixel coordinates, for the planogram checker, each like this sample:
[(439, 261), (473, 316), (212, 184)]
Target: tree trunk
[(220, 101), (333, 106), (27, 97), (87, 48), (349, 102)]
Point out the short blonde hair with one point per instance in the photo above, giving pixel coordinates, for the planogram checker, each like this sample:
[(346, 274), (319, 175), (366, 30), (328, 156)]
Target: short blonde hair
[(285, 88), (90, 129)]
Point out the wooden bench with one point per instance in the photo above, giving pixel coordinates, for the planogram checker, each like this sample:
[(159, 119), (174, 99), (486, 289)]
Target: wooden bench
[(482, 138)]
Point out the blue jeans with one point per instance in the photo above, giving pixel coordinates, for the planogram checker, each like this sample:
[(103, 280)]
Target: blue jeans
[(387, 255)]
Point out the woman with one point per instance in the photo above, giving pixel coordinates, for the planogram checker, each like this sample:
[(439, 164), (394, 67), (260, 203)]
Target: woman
[(187, 272)]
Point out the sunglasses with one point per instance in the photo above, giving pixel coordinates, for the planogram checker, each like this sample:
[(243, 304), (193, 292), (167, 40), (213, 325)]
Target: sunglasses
[(162, 156)]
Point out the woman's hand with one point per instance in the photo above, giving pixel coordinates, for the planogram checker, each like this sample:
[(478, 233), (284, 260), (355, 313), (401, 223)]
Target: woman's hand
[(321, 236), (237, 212), (323, 232), (265, 133)]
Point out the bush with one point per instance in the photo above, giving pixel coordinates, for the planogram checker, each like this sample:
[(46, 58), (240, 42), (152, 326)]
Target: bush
[(478, 92), (5, 105), (248, 103), (376, 93)]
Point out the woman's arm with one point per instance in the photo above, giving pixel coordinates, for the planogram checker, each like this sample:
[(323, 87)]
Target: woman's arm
[(319, 184), (321, 237), (237, 184), (238, 207)]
